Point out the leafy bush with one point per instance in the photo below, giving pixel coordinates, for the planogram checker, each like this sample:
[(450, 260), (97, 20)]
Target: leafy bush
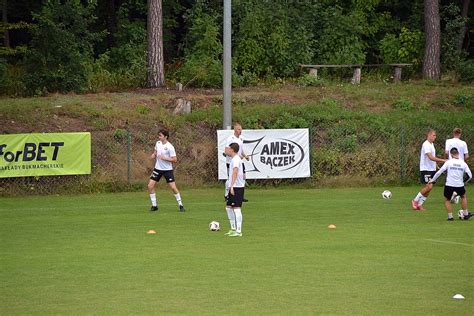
[(407, 47), (308, 80), (466, 71), (403, 104), (60, 52)]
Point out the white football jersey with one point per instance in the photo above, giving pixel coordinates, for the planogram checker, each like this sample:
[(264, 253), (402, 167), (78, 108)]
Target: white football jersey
[(456, 143), (455, 172), (164, 150), (234, 139), (426, 164), (236, 162)]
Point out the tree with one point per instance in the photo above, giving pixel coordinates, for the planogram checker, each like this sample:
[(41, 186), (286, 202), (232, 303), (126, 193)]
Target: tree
[(155, 60), (6, 34), (431, 60), (464, 11)]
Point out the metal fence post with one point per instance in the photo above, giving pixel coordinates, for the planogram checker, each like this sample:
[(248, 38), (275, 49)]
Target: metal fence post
[(129, 156), (402, 154)]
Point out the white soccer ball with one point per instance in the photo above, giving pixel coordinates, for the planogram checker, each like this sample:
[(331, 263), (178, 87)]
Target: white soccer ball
[(214, 226), (460, 214), (386, 194)]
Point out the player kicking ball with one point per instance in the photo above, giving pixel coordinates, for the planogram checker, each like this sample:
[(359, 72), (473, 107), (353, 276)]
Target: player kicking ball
[(236, 192), (455, 168)]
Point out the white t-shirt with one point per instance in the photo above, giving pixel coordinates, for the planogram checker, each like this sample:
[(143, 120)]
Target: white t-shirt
[(166, 150), (234, 139), (239, 181), (455, 175), (459, 144), (426, 164)]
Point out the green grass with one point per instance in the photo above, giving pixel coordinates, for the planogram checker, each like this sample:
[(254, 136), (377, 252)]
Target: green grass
[(90, 254)]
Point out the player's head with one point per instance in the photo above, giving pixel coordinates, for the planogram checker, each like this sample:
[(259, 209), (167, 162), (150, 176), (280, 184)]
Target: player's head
[(234, 149), (457, 132), (237, 129), (431, 135), (163, 135), (454, 152)]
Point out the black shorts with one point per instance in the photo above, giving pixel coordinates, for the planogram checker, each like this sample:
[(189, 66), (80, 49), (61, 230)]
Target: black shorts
[(426, 176), (448, 191), (157, 174), (236, 199)]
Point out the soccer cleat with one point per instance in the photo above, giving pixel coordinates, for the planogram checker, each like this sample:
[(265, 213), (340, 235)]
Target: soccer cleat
[(153, 208), (414, 204), (235, 234), (244, 200), (454, 198), (229, 232), (181, 208), (450, 219), (421, 208)]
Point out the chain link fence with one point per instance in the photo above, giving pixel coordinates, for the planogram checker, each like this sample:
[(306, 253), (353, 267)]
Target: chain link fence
[(340, 155)]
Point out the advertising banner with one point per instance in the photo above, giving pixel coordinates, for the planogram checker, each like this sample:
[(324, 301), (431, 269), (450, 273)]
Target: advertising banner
[(48, 154), (273, 153)]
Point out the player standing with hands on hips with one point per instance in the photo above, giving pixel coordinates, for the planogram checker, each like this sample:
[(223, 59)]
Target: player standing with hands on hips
[(236, 192), (455, 169), (165, 155), (428, 166)]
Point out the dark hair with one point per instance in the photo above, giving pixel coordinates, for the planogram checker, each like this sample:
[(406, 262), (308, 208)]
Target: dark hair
[(457, 131), (454, 151), (235, 147), (165, 133)]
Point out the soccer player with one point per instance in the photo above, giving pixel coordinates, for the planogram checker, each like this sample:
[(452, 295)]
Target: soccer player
[(428, 166), (236, 192), (165, 155), (459, 144), (239, 140), (455, 168)]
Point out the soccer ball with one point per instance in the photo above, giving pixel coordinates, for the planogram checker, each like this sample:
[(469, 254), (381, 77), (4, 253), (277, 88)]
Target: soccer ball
[(460, 214), (214, 226), (386, 194)]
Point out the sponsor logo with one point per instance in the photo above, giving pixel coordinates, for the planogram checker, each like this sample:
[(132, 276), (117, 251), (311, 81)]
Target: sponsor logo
[(276, 154), (32, 152)]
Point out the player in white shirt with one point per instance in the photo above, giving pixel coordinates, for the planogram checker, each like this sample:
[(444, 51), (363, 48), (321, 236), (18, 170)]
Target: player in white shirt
[(236, 192), (457, 143), (428, 167), (165, 155), (455, 169), (239, 140)]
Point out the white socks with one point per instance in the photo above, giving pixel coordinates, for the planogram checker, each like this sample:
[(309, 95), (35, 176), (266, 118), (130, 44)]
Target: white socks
[(238, 218), (422, 200), (231, 216), (178, 198), (418, 197), (153, 199)]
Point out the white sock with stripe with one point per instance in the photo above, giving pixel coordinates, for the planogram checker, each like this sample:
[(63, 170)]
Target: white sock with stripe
[(238, 218), (178, 198), (153, 199), (231, 216)]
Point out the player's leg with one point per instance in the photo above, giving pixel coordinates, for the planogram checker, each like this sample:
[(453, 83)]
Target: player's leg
[(466, 214), (170, 180), (151, 191), (448, 192), (237, 207), (230, 215)]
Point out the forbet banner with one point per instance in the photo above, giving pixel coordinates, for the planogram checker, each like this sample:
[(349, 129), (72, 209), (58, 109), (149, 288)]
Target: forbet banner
[(273, 153), (52, 154)]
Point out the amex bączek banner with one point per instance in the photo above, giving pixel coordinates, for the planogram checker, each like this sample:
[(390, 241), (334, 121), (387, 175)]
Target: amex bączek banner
[(45, 154)]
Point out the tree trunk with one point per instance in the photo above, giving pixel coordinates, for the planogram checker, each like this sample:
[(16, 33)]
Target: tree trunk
[(110, 21), (464, 12), (156, 74), (6, 33), (431, 60)]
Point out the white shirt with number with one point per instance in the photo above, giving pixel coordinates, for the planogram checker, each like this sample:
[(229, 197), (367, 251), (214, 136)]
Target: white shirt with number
[(456, 143), (236, 162), (234, 139), (455, 172), (166, 150), (426, 164)]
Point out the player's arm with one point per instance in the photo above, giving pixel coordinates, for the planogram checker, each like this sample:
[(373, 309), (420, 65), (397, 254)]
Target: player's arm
[(440, 172), (434, 158), (153, 156), (170, 159), (469, 173), (232, 181)]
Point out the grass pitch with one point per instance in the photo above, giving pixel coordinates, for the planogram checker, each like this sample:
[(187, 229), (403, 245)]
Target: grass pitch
[(90, 254)]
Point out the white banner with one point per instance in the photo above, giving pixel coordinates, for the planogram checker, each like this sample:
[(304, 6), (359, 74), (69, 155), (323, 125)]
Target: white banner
[(273, 153)]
